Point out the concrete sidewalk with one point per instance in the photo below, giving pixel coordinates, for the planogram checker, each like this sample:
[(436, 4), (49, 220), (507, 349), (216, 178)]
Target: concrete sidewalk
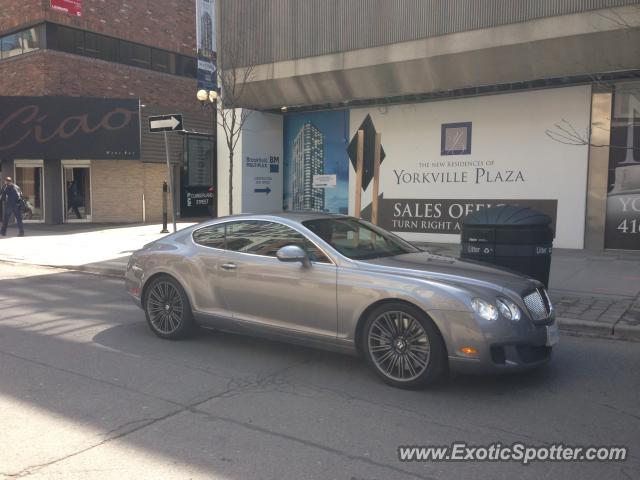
[(595, 293), (102, 249)]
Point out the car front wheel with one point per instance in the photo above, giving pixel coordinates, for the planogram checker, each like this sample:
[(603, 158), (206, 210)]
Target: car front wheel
[(167, 308), (404, 346)]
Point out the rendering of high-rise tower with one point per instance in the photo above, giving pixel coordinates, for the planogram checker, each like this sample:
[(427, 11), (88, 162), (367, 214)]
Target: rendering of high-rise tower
[(308, 160)]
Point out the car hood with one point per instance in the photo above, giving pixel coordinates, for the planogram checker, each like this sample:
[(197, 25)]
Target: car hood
[(452, 270)]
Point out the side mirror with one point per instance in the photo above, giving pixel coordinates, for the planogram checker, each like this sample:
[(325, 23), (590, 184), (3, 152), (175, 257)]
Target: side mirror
[(293, 253)]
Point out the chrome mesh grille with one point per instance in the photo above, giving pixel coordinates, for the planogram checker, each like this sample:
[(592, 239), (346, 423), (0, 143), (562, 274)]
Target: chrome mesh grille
[(536, 305)]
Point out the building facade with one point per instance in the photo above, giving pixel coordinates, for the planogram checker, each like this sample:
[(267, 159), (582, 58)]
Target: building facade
[(77, 87), (478, 103)]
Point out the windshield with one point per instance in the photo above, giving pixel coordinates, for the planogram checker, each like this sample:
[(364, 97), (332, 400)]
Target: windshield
[(357, 239)]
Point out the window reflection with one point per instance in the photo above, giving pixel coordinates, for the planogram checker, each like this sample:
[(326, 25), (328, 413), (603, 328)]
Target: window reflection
[(256, 237), (11, 45)]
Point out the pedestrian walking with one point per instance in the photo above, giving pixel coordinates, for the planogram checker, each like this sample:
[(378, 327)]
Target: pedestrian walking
[(73, 199), (13, 201)]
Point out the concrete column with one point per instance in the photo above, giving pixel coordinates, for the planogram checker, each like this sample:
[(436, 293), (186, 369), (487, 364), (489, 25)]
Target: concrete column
[(53, 191), (598, 170)]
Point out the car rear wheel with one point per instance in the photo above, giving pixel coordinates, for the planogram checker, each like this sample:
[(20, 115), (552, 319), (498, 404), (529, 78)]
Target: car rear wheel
[(404, 346), (167, 308)]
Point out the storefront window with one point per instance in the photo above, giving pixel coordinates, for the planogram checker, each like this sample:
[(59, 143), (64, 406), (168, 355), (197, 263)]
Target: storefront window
[(623, 202), (77, 193), (200, 161), (29, 179)]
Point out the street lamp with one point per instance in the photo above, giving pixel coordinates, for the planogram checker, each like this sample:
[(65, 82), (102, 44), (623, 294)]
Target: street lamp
[(208, 98)]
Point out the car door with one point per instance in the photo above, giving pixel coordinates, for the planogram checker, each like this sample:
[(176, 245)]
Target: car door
[(259, 288), (208, 258)]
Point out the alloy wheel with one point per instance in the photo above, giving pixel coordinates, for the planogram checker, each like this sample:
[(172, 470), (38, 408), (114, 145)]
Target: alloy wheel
[(399, 346), (165, 307)]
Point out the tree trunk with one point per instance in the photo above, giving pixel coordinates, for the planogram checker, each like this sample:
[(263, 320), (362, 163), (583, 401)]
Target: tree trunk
[(230, 181)]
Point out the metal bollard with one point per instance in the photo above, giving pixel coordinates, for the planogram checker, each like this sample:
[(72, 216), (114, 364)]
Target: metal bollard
[(164, 208)]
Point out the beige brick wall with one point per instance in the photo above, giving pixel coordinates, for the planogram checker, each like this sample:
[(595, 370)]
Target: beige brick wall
[(154, 175), (118, 187), (117, 190)]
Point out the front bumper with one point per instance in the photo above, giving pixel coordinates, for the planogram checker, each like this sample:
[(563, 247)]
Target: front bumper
[(502, 346)]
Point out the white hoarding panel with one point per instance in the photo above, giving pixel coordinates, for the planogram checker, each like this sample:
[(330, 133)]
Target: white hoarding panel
[(262, 163), (446, 159)]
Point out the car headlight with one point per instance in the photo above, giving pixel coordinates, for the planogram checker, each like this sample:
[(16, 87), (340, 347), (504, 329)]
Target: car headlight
[(485, 309), (508, 309)]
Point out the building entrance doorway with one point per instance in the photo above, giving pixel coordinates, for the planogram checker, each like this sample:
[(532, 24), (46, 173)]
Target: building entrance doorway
[(29, 177), (76, 179), (198, 180)]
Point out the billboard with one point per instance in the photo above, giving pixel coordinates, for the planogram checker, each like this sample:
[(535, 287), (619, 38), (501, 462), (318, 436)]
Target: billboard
[(316, 163), (69, 128), (206, 44), (446, 159), (622, 228), (70, 7)]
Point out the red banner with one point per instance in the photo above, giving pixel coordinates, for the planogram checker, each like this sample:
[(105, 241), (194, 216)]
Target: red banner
[(71, 7)]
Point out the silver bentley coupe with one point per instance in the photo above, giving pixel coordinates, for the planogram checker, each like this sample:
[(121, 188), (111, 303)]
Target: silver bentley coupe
[(341, 283)]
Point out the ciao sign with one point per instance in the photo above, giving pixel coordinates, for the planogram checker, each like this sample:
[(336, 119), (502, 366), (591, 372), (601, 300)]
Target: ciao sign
[(69, 127)]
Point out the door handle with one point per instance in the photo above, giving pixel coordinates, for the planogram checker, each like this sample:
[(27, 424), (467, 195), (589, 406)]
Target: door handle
[(229, 266)]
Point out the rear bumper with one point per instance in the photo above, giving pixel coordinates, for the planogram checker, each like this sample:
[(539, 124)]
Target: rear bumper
[(133, 283), (136, 300)]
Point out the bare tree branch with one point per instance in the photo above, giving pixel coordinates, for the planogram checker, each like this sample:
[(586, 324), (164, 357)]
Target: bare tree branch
[(564, 132), (233, 78)]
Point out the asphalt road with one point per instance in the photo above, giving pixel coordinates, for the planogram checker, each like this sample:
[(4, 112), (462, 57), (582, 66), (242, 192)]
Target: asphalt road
[(86, 391)]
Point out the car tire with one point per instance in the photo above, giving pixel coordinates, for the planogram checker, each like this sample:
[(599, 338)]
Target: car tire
[(403, 346), (167, 309)]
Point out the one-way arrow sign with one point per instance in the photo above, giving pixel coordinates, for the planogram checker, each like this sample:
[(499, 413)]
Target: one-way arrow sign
[(266, 190), (166, 123)]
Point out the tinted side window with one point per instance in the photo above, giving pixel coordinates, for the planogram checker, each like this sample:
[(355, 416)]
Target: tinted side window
[(98, 46), (65, 39), (212, 236), (135, 54), (186, 66), (163, 61), (266, 238)]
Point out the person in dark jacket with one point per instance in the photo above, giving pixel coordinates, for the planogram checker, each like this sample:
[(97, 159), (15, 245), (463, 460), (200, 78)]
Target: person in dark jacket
[(12, 197), (73, 198)]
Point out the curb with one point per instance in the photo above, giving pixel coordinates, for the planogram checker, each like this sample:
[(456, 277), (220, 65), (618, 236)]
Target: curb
[(627, 332), (103, 271), (586, 328), (573, 325)]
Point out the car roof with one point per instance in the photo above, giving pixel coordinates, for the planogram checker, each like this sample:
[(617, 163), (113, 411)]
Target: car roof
[(296, 216)]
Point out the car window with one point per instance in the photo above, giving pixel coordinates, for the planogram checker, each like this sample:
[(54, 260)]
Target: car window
[(211, 236), (358, 239), (266, 238)]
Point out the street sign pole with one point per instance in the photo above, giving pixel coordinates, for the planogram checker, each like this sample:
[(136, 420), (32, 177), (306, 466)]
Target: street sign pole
[(165, 123), (170, 178)]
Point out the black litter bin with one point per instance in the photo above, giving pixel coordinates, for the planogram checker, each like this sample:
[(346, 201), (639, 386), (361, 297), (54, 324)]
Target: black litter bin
[(510, 236)]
